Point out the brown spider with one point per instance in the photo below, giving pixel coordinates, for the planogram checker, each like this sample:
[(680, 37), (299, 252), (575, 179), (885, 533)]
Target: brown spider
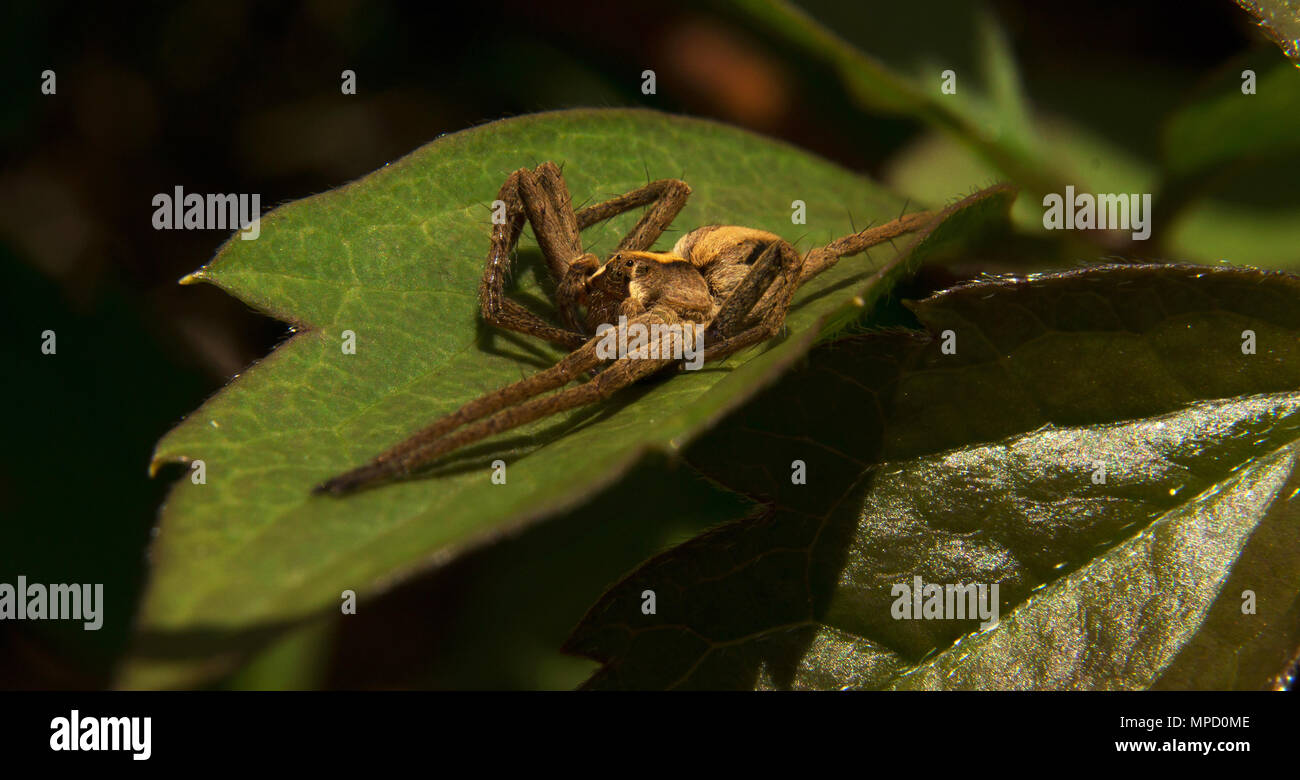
[(733, 283)]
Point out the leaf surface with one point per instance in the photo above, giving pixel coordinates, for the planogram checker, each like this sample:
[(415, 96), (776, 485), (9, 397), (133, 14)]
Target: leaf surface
[(1099, 446), (899, 64), (1232, 155), (396, 258)]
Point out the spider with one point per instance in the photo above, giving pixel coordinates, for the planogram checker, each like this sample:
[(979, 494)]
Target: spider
[(733, 283)]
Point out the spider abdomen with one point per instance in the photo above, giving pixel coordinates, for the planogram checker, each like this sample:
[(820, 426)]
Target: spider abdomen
[(724, 255), (722, 245)]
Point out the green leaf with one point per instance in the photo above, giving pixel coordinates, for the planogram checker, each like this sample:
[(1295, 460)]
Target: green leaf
[(1232, 162), (396, 258), (934, 161), (991, 118), (983, 467), (510, 606), (494, 619), (1247, 232), (1227, 126)]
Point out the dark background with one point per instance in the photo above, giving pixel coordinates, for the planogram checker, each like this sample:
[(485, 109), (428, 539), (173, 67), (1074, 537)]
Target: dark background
[(230, 96)]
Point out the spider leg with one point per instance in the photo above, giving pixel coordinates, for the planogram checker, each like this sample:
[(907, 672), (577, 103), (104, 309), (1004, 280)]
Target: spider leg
[(775, 273), (727, 322), (510, 407), (779, 264), (719, 350), (550, 210), (549, 206), (668, 196), (541, 197), (819, 260), (620, 374)]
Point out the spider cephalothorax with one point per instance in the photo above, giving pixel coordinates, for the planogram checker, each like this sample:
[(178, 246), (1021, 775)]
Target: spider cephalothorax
[(734, 284)]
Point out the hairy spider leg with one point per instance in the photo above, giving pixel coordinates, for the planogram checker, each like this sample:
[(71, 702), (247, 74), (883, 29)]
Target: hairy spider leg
[(549, 207), (781, 260), (520, 188), (666, 197), (510, 407), (779, 264), (820, 259), (542, 197), (555, 225), (794, 273)]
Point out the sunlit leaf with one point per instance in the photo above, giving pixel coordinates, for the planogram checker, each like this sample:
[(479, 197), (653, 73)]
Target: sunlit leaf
[(396, 258)]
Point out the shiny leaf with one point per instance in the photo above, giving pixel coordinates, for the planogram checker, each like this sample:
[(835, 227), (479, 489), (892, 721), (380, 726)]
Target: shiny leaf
[(1100, 446)]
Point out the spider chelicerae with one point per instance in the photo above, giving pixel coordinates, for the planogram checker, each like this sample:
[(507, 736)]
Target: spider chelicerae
[(734, 283)]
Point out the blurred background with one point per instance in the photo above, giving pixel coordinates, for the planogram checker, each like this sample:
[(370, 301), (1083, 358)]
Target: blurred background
[(236, 96)]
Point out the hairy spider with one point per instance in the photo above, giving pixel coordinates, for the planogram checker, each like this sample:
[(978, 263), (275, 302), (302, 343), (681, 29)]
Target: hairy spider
[(733, 282)]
